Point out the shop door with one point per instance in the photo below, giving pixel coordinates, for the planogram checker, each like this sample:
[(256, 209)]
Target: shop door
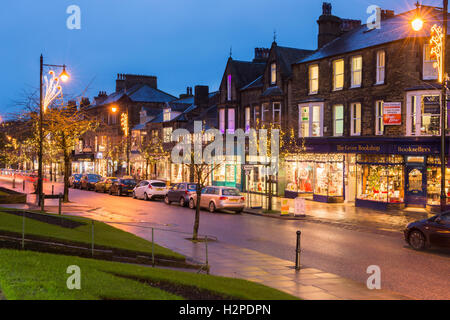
[(416, 183)]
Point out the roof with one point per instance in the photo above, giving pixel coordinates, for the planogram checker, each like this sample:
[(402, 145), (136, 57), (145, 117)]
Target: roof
[(245, 72), (392, 29), (138, 93), (272, 91), (257, 83), (287, 56)]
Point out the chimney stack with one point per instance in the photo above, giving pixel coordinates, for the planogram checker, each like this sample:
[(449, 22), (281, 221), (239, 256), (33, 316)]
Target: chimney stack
[(126, 81), (261, 54), (329, 26), (201, 96)]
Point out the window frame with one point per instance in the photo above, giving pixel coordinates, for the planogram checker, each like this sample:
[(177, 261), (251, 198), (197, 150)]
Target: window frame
[(278, 110), (231, 119), (247, 119), (229, 96), (353, 71), (379, 122), (222, 120), (428, 62), (310, 107), (167, 138), (354, 118), (380, 69), (335, 75), (313, 80), (273, 73), (335, 133)]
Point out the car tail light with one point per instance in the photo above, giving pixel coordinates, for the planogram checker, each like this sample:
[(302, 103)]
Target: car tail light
[(242, 199), (223, 198), (150, 186), (122, 185)]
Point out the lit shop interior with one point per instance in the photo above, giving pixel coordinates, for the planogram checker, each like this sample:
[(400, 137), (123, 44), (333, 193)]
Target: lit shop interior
[(370, 180)]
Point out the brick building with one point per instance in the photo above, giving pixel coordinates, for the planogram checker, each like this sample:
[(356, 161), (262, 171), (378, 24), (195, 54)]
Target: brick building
[(104, 151), (367, 106)]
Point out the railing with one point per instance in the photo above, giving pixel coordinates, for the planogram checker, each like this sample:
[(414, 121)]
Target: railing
[(204, 265)]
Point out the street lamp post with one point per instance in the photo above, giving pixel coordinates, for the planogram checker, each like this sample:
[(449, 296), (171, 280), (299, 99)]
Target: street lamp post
[(64, 77), (439, 42), (125, 125)]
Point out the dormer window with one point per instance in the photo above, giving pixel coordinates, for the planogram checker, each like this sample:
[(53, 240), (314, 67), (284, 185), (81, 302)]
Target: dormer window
[(166, 115), (273, 73)]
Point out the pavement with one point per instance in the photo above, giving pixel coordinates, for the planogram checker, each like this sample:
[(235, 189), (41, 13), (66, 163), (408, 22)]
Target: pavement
[(258, 249)]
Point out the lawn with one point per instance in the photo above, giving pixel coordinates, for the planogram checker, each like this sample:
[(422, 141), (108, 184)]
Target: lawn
[(104, 235), (42, 276)]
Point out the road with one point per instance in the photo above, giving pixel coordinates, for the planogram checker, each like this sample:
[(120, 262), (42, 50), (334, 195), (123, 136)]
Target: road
[(343, 251)]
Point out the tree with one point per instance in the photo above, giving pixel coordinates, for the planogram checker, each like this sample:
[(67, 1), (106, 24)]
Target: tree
[(152, 149), (65, 125)]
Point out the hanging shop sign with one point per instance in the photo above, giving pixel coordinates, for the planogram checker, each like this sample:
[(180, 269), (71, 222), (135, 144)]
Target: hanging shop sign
[(392, 113)]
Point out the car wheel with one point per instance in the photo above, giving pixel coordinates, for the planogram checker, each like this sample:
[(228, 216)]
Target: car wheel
[(134, 195), (191, 204), (110, 192), (212, 207), (182, 202), (416, 240), (166, 200), (146, 198), (239, 211)]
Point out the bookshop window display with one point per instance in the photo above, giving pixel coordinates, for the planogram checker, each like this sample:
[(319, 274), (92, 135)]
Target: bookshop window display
[(380, 178), (434, 181), (300, 176), (329, 179)]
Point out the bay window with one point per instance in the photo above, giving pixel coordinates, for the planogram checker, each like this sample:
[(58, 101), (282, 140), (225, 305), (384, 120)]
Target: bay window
[(356, 71), (423, 113), (265, 112), (167, 134), (256, 116), (311, 120)]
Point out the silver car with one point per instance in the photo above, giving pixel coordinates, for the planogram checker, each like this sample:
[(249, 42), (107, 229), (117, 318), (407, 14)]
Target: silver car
[(217, 198)]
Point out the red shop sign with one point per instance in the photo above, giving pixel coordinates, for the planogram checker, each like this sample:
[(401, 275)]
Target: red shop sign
[(392, 113)]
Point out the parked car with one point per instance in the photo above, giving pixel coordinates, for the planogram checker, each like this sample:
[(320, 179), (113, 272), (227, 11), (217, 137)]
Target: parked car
[(122, 186), (432, 232), (105, 184), (74, 180), (89, 180), (218, 198), (150, 189), (180, 193)]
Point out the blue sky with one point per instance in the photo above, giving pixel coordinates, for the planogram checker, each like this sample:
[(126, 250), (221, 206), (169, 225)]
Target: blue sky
[(182, 42)]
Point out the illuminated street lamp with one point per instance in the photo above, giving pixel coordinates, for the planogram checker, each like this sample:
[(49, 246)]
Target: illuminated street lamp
[(125, 125), (438, 45), (52, 91)]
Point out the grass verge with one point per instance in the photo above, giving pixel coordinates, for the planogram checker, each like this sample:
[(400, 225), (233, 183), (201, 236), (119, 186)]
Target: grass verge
[(41, 276), (104, 235)]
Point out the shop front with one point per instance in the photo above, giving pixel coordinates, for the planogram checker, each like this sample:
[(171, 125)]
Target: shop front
[(379, 173), (83, 163), (316, 176), (228, 174)]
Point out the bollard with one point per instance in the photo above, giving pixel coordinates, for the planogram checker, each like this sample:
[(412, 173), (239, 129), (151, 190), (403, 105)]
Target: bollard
[(53, 189), (92, 233), (23, 229), (206, 254), (23, 185), (60, 203), (14, 183), (42, 199), (153, 247), (297, 251)]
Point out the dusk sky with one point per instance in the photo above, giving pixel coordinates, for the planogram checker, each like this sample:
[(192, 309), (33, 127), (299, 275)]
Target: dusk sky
[(182, 42)]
